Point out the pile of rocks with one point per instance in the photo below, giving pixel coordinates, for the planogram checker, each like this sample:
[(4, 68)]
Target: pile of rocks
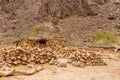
[(27, 55), (51, 54), (80, 57), (84, 58)]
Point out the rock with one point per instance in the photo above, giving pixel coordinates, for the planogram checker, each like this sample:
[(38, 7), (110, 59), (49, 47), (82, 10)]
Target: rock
[(26, 70), (15, 21), (78, 64), (38, 67), (6, 71), (100, 1), (62, 62), (112, 16), (57, 9), (115, 1), (10, 6), (118, 26), (52, 62)]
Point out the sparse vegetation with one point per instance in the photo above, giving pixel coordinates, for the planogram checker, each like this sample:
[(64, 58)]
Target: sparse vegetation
[(44, 30), (70, 42), (105, 39), (107, 36), (119, 56)]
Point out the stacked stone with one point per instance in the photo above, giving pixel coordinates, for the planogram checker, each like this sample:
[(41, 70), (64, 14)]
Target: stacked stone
[(26, 55), (16, 56), (81, 57), (56, 44), (86, 58)]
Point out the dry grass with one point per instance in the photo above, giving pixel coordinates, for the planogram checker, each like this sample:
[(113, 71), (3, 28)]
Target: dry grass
[(107, 36)]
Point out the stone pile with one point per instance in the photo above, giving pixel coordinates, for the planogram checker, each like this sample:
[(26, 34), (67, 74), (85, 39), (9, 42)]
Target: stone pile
[(21, 55), (85, 58), (54, 53), (81, 57), (26, 55)]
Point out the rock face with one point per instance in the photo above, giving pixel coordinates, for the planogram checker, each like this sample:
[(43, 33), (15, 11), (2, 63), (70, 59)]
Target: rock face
[(55, 9), (17, 16), (10, 5), (101, 1), (58, 9)]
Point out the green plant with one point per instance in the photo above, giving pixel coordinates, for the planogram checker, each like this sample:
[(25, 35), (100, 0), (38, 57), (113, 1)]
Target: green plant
[(106, 36), (119, 56), (70, 42)]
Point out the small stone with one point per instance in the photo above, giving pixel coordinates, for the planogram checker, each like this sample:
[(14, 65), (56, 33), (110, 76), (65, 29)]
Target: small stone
[(15, 62), (38, 67), (78, 64), (52, 61), (15, 21), (112, 16), (62, 62), (42, 61)]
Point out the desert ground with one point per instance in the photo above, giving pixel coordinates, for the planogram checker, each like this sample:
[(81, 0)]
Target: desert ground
[(78, 21)]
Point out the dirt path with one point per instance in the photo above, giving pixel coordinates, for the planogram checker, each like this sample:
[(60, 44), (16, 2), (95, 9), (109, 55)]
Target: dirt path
[(110, 72)]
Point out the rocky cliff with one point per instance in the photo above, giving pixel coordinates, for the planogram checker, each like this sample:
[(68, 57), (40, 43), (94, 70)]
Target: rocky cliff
[(77, 19)]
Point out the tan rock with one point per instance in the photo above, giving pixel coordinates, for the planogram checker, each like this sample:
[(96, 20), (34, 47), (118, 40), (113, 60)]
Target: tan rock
[(6, 71), (62, 62)]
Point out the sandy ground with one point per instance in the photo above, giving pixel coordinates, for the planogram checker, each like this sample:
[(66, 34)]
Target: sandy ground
[(110, 72)]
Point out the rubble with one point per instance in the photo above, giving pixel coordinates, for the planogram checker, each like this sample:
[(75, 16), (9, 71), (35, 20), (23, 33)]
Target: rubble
[(56, 54)]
